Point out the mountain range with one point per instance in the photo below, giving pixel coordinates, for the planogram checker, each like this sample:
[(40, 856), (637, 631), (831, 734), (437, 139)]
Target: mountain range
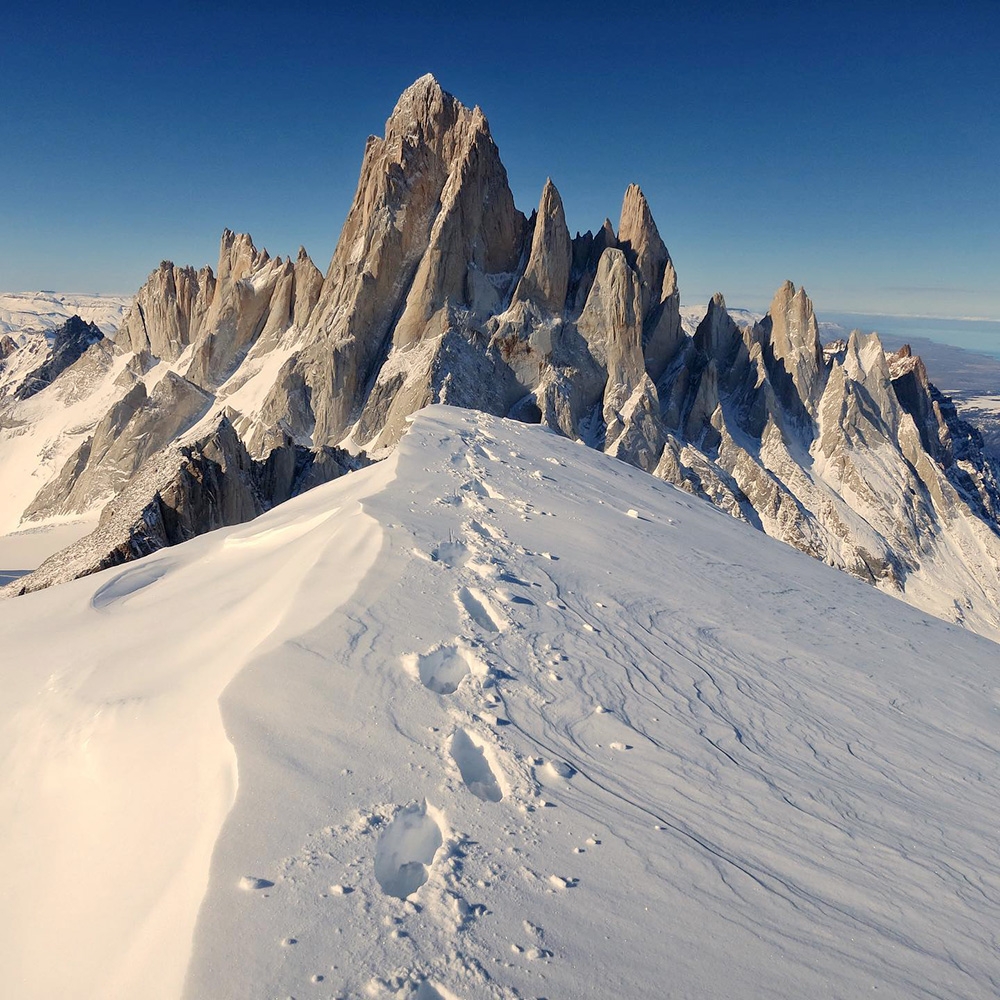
[(225, 392), (426, 641)]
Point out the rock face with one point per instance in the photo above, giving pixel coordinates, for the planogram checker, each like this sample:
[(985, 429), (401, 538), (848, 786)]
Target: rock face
[(793, 353), (229, 389), (168, 311), (545, 280), (433, 233), (193, 487), (69, 342)]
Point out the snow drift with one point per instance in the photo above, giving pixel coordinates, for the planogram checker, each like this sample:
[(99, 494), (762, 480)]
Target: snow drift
[(501, 717)]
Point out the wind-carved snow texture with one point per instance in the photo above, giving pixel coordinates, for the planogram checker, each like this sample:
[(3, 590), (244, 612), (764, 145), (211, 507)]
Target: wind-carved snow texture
[(405, 850), (128, 583), (806, 808)]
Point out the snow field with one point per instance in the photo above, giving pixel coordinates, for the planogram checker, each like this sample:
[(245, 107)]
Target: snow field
[(118, 772), (659, 742), (497, 738), (39, 311)]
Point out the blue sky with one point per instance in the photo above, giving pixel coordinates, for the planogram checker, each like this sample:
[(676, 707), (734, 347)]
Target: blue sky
[(854, 149)]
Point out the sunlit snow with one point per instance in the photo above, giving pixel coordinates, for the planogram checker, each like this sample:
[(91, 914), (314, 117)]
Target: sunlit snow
[(500, 717)]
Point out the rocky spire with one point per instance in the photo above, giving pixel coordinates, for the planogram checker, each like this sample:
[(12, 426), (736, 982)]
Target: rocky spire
[(916, 395), (240, 309), (308, 285), (717, 334), (546, 277), (640, 239), (791, 329), (168, 311), (432, 205), (611, 323), (238, 257), (426, 114), (596, 245)]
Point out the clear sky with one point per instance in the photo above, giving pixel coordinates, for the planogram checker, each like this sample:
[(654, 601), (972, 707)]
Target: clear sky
[(853, 148)]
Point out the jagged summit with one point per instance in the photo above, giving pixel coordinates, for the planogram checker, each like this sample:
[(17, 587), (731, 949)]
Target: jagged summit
[(69, 343), (441, 290), (546, 276), (427, 81), (425, 112), (717, 335), (420, 97), (795, 353)]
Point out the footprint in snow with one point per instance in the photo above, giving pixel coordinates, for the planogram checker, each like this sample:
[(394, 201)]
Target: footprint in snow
[(474, 767), (536, 954), (559, 882), (406, 850), (483, 530), (442, 668), (477, 607), (249, 883), (451, 553), (560, 769), (432, 991)]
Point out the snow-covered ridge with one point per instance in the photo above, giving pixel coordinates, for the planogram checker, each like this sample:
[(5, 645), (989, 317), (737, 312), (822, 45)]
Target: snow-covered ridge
[(38, 312), (510, 719)]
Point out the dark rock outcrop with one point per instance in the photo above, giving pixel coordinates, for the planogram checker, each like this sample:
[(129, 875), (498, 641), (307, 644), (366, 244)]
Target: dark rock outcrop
[(69, 342), (189, 489)]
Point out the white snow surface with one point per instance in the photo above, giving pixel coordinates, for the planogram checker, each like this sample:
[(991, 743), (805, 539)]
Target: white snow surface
[(22, 312), (500, 717), (50, 426), (25, 550)]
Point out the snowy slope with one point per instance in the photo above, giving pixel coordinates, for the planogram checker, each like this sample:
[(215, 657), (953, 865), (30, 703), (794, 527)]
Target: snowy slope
[(51, 425), (36, 443), (22, 312), (605, 740)]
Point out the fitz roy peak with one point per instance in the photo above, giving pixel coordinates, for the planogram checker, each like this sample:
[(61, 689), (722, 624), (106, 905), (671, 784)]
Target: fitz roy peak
[(225, 392)]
